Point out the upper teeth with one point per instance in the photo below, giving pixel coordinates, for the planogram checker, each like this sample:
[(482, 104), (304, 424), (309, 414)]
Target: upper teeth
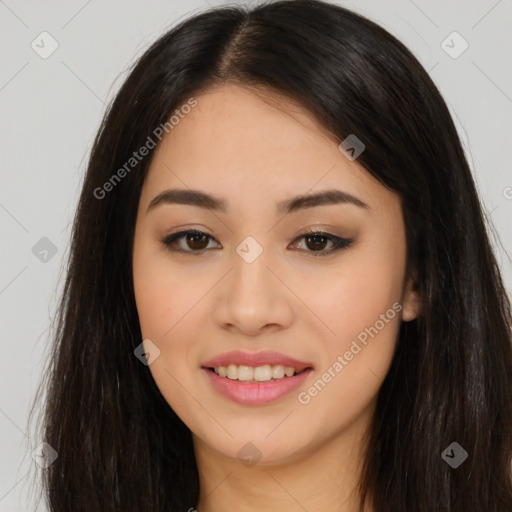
[(259, 373)]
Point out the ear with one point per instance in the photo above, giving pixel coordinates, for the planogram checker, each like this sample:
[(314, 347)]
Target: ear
[(412, 301)]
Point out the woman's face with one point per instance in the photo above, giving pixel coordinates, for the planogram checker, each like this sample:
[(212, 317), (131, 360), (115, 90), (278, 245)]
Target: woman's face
[(258, 282)]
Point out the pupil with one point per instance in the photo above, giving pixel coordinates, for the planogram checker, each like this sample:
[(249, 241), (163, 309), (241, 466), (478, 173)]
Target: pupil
[(192, 238), (315, 237)]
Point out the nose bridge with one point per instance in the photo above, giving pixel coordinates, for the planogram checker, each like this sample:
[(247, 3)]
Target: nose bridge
[(250, 279), (252, 296)]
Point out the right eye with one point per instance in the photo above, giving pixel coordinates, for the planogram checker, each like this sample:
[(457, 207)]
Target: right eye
[(196, 240)]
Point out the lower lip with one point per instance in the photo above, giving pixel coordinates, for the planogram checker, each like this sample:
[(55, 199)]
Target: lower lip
[(256, 393)]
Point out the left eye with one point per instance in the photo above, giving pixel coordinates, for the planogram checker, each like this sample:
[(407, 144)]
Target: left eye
[(198, 241), (316, 240)]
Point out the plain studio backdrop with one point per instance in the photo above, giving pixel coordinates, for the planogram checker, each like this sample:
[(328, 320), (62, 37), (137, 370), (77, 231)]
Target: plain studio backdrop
[(62, 62)]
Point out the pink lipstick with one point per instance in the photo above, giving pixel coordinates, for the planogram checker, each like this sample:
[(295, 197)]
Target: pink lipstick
[(275, 375)]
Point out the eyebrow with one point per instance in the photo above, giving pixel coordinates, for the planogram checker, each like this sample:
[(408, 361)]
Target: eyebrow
[(293, 204)]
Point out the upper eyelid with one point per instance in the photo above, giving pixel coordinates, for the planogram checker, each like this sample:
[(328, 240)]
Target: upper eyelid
[(334, 239), (179, 234)]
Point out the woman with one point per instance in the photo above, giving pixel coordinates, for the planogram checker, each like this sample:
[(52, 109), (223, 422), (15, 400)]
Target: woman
[(281, 293)]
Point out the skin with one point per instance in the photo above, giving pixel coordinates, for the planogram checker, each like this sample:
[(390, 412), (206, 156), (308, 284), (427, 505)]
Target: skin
[(244, 146)]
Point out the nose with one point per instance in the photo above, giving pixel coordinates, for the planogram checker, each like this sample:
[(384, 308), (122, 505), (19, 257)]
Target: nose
[(253, 298)]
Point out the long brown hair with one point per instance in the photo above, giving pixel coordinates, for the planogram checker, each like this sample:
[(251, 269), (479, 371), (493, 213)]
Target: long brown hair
[(120, 445)]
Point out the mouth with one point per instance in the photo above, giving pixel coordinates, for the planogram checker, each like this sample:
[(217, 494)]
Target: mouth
[(239, 362), (255, 374), (255, 378)]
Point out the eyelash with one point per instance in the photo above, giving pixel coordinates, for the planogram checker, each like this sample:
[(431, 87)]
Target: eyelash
[(339, 243)]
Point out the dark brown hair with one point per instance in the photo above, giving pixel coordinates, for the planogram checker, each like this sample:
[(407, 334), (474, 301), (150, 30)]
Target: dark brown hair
[(120, 445)]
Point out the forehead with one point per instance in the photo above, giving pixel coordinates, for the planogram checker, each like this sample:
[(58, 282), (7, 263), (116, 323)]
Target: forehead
[(238, 142)]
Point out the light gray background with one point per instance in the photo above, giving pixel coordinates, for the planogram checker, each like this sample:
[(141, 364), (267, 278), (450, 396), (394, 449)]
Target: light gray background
[(51, 109)]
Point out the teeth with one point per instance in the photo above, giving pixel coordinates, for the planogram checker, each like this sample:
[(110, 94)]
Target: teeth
[(278, 371), (288, 371), (232, 372), (258, 373), (245, 372), (263, 373)]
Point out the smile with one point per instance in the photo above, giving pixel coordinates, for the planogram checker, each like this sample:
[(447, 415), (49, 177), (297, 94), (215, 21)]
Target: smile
[(252, 392), (255, 374), (255, 378)]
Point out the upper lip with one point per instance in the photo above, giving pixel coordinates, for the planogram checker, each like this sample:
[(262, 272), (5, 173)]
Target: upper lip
[(238, 357)]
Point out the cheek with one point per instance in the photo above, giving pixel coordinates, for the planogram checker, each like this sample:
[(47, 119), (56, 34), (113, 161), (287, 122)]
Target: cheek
[(154, 303), (162, 293), (168, 300), (359, 302), (356, 359), (164, 300), (351, 295)]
